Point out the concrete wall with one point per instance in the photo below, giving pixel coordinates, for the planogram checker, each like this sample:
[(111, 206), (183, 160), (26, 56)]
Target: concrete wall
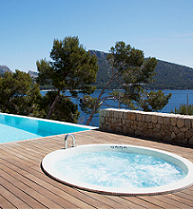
[(162, 126)]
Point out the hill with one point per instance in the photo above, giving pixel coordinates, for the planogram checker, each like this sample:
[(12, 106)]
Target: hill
[(33, 74), (3, 69), (168, 75), (172, 76)]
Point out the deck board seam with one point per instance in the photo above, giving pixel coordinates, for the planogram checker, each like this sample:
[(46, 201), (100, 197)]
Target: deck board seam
[(19, 158), (24, 176)]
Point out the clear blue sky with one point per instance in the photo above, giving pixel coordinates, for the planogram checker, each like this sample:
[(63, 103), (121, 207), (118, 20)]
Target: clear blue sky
[(161, 28)]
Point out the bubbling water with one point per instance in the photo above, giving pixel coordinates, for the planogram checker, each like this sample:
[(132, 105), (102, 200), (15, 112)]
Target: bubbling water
[(119, 169)]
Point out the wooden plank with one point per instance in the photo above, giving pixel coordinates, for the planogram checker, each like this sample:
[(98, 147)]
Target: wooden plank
[(14, 195), (167, 199), (27, 185), (4, 203), (23, 189), (186, 194), (71, 198), (128, 203), (101, 201), (105, 199), (23, 183), (68, 193), (31, 153), (179, 200), (187, 199), (158, 201), (31, 197), (47, 186), (10, 153), (138, 201)]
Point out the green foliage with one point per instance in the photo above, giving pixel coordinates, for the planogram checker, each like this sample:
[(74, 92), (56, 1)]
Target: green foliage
[(132, 71), (154, 101), (17, 93), (64, 110), (148, 101), (182, 110), (136, 77), (122, 99), (35, 99), (87, 103), (72, 68), (131, 68), (167, 75)]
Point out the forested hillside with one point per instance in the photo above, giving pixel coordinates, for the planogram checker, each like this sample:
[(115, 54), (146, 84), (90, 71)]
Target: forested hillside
[(172, 76), (168, 75)]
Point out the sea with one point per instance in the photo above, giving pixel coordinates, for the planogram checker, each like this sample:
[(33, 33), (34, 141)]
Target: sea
[(178, 98)]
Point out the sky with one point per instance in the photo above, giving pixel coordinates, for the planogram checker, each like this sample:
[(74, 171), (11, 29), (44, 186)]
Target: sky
[(160, 28)]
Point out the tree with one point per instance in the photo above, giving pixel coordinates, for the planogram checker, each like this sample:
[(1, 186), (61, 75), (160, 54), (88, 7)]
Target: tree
[(64, 109), (18, 95), (153, 100), (133, 71), (72, 69), (183, 109)]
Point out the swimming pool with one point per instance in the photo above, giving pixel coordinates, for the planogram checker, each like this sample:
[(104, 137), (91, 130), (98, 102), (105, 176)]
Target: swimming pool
[(16, 128), (119, 169)]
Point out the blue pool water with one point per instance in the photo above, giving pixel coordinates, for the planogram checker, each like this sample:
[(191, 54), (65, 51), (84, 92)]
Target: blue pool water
[(16, 128), (119, 169)]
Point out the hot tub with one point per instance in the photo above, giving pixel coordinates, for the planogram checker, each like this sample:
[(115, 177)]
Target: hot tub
[(119, 169)]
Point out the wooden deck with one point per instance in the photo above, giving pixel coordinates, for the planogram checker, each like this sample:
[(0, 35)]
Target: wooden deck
[(23, 184)]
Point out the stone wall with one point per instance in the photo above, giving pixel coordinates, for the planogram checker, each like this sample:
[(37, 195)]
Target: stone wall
[(162, 126)]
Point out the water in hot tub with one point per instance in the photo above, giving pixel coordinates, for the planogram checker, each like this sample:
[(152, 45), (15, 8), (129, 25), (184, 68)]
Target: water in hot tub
[(119, 170)]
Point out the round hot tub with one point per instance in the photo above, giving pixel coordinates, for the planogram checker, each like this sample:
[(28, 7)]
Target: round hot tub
[(119, 169)]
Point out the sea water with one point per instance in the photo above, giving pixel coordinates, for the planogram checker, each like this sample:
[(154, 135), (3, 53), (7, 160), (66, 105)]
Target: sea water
[(119, 170), (178, 98)]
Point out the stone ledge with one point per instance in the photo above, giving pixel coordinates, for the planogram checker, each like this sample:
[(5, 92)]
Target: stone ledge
[(170, 127)]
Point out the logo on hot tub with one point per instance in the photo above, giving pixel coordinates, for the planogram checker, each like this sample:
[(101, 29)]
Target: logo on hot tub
[(118, 147)]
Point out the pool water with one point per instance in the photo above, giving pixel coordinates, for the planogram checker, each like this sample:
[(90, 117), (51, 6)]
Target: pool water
[(9, 133), (119, 169), (16, 128)]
